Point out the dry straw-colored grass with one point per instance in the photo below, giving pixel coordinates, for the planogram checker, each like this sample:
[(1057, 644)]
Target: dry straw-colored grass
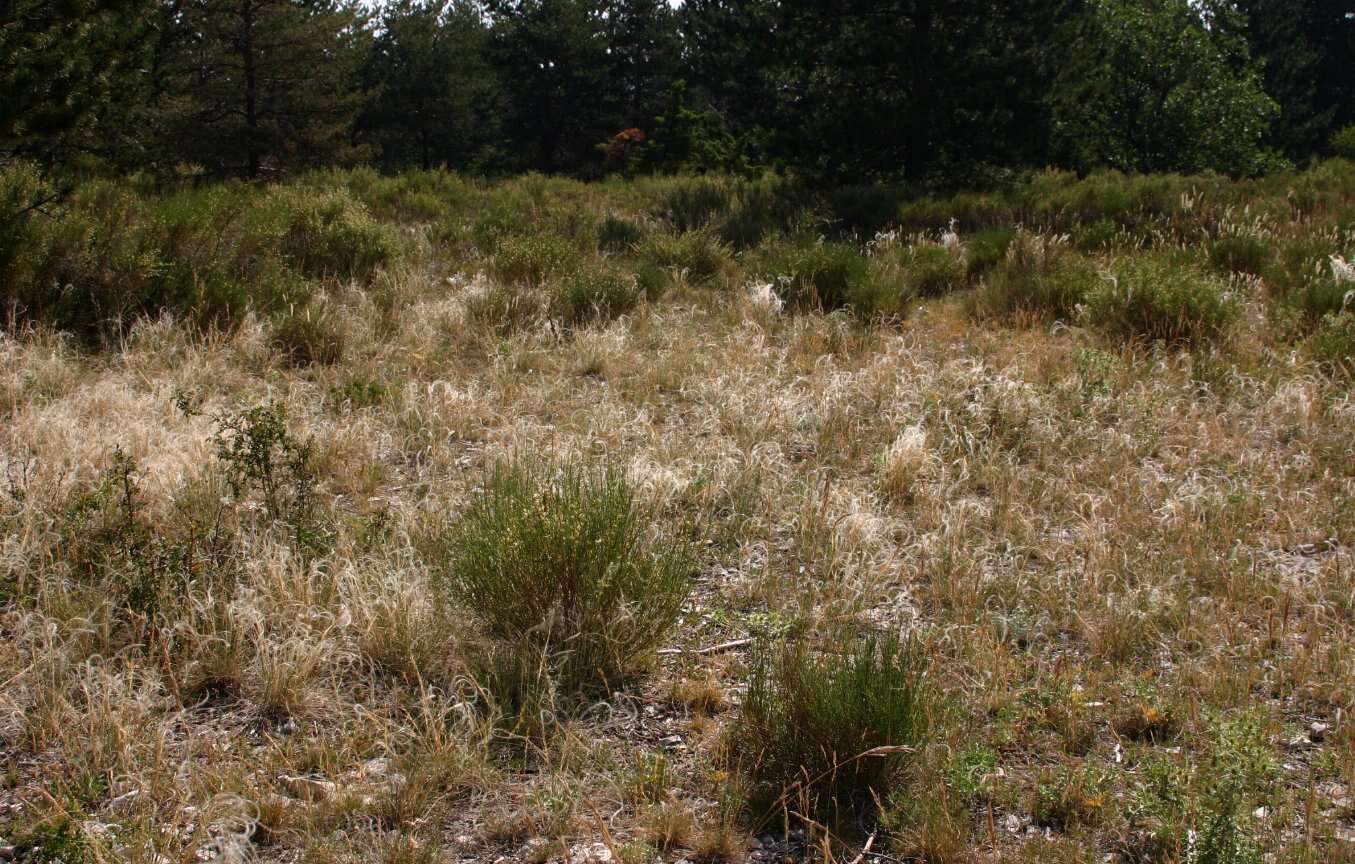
[(1108, 550)]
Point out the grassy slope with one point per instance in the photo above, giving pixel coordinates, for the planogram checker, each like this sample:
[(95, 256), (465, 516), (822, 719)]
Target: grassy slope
[(1129, 565)]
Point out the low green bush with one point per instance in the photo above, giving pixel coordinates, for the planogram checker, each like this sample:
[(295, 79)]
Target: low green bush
[(533, 260), (696, 253), (986, 250), (818, 277), (1239, 253), (1040, 277), (689, 205), (330, 233), (563, 561), (932, 270), (595, 293), (831, 729), (1162, 297), (618, 234), (1333, 343), (1343, 142)]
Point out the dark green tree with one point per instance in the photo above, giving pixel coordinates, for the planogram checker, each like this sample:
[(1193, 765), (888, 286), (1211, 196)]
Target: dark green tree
[(435, 99), (1307, 52), (552, 56), (1148, 86), (64, 65), (258, 86)]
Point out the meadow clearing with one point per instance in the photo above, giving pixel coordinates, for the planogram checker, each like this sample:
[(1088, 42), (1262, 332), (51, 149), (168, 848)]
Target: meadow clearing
[(424, 519)]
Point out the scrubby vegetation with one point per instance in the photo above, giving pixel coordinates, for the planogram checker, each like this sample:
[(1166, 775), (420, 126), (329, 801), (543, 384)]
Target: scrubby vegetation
[(417, 518)]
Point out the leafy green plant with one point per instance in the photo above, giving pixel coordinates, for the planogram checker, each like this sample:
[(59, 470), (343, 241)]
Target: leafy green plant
[(822, 276), (330, 233), (561, 561), (692, 204), (260, 457), (1239, 253), (532, 260), (1159, 297), (1343, 142), (618, 234), (831, 729)]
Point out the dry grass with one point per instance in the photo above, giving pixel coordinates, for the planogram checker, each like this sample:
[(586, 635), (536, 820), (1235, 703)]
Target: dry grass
[(1129, 563)]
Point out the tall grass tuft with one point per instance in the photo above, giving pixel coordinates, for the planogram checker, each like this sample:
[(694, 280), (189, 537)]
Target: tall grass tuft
[(832, 729), (562, 562), (1039, 277)]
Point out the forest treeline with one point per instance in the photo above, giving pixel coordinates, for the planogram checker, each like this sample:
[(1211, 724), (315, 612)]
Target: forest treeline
[(955, 93)]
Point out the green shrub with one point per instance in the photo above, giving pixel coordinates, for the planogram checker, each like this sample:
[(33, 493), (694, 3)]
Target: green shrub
[(562, 561), (618, 234), (1239, 253), (830, 729), (1333, 342), (652, 280), (310, 334), (1160, 297), (1343, 142), (986, 250), (934, 271), (330, 233), (696, 253), (533, 260), (1301, 278), (689, 205), (595, 293), (1040, 277), (819, 277)]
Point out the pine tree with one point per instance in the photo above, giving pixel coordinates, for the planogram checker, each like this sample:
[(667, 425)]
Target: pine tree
[(257, 86), (435, 99)]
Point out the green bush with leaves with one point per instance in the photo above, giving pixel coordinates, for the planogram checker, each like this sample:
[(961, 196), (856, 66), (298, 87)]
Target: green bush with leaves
[(689, 205), (1239, 253), (562, 561), (533, 260), (1343, 142), (328, 232), (1161, 297), (831, 729)]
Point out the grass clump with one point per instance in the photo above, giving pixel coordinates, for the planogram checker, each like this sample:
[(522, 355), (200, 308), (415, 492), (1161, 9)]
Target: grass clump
[(697, 254), (1333, 343), (821, 277), (1162, 298), (831, 730), (560, 562), (596, 293), (693, 204), (533, 260), (309, 335), (1239, 253), (619, 234), (1039, 277)]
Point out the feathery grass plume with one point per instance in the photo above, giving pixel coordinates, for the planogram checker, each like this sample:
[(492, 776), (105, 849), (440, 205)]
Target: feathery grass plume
[(563, 560)]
